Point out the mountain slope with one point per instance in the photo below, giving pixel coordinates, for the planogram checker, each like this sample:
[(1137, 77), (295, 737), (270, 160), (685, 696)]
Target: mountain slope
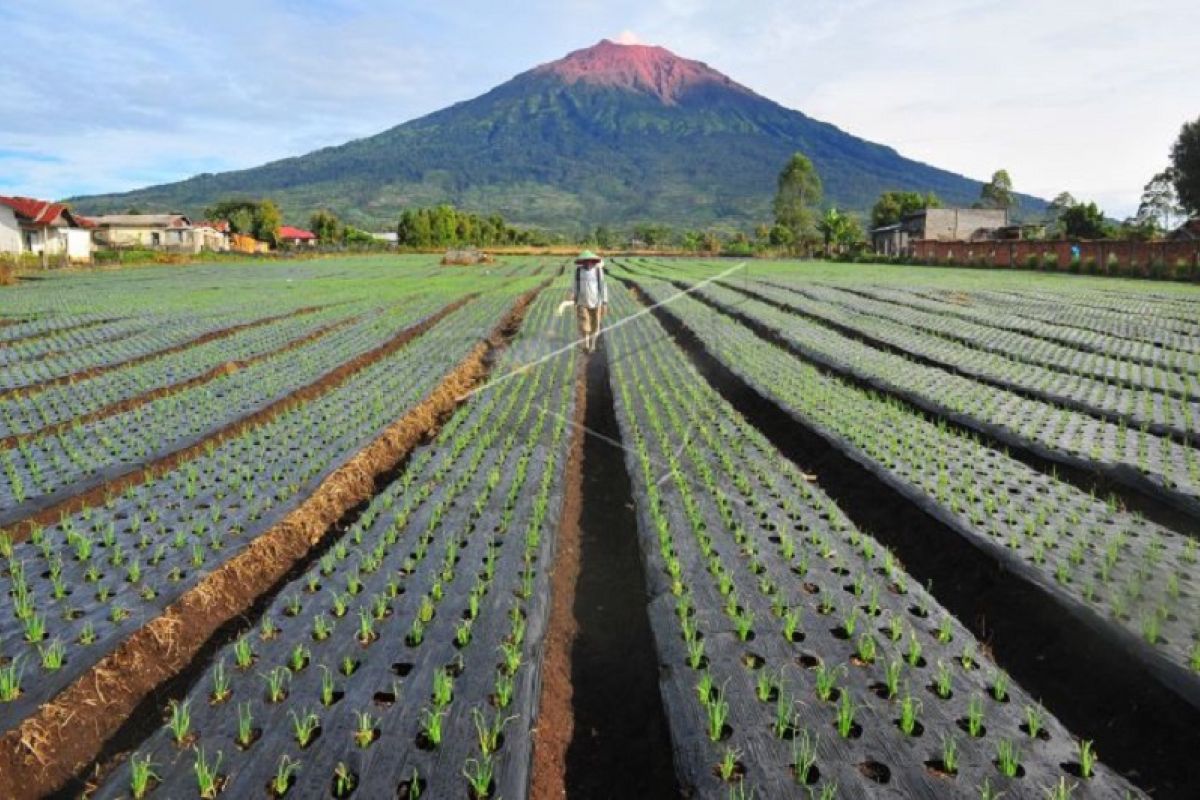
[(612, 134)]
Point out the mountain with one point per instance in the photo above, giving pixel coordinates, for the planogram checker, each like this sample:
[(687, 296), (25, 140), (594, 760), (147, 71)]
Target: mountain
[(612, 134)]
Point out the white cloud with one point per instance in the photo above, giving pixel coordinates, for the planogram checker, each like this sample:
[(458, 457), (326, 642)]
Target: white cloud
[(628, 37)]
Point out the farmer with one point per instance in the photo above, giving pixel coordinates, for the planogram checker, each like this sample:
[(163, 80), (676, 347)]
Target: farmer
[(590, 295)]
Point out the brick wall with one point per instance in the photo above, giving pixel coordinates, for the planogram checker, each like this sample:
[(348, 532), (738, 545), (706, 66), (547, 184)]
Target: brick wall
[(1178, 260)]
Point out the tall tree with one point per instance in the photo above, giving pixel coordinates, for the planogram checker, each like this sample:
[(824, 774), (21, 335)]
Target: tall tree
[(1084, 221), (839, 230), (267, 220), (893, 205), (998, 192), (1160, 202), (798, 193), (326, 226), (1185, 167)]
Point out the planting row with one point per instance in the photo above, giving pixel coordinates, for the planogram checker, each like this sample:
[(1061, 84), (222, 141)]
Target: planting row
[(83, 584), (800, 659), (404, 662), (24, 413), (1132, 455), (38, 469), (1159, 413), (1131, 578), (1017, 346)]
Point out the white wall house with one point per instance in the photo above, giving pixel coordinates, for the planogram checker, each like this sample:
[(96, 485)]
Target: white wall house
[(10, 231), (43, 228)]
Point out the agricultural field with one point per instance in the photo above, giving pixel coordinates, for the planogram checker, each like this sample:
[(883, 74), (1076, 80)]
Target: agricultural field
[(377, 528)]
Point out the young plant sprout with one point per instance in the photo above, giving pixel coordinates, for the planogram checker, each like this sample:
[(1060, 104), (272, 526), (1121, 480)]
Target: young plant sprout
[(950, 754), (344, 780), (207, 777), (1008, 758), (1087, 758), (431, 725), (180, 721), (282, 780), (141, 775), (304, 726), (909, 708), (489, 733), (727, 768), (804, 756), (1034, 719), (975, 717), (245, 734), (364, 732), (845, 715), (478, 773)]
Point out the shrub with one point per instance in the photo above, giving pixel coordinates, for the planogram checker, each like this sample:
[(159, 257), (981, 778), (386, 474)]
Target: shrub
[(1050, 261), (1031, 261), (8, 275)]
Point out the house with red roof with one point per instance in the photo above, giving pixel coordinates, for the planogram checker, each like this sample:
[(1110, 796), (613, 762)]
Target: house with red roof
[(296, 237), (42, 227)]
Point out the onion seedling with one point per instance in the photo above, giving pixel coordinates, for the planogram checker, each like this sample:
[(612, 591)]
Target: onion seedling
[(141, 774), (344, 780), (180, 721), (243, 655), (717, 709), (364, 733), (245, 734), (891, 676), (1087, 758), (503, 689), (727, 769), (207, 779), (975, 717), (277, 680), (443, 688), (845, 715), (220, 684), (943, 680), (1034, 719), (304, 726), (478, 773), (10, 680), (909, 708), (785, 719), (431, 725), (282, 780), (804, 756), (1061, 790), (1008, 758), (826, 679), (950, 754), (53, 655), (489, 734)]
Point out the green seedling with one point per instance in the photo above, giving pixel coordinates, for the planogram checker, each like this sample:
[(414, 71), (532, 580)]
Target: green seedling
[(180, 721), (53, 655), (1035, 717), (277, 680), (1061, 790), (784, 717), (1000, 686), (282, 779), (141, 775), (489, 733), (443, 688), (243, 654), (804, 756), (1008, 758), (304, 726), (975, 717), (1087, 758), (503, 689), (431, 725), (942, 680), (207, 778), (891, 676), (826, 680), (717, 709), (245, 734), (344, 780), (845, 715), (909, 708), (364, 732), (727, 768), (950, 754), (478, 773)]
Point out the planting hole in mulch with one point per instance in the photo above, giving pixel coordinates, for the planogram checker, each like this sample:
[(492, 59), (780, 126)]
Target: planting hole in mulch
[(875, 771), (411, 789), (938, 767)]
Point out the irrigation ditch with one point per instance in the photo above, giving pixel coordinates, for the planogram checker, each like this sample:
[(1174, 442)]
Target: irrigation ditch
[(90, 726), (1086, 677)]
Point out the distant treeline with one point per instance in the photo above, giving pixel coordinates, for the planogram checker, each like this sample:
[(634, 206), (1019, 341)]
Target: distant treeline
[(446, 226)]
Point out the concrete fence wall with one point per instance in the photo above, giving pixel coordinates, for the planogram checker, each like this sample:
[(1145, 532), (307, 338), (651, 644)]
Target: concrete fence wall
[(1177, 260)]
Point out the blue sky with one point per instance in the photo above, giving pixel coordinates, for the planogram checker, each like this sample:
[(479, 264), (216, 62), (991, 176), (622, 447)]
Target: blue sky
[(1066, 94)]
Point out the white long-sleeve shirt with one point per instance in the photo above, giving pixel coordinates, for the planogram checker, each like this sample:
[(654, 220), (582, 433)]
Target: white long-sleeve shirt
[(591, 289)]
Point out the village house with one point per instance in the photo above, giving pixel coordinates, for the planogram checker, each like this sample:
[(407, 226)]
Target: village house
[(172, 232), (1187, 232), (296, 237), (941, 225), (42, 228), (213, 235)]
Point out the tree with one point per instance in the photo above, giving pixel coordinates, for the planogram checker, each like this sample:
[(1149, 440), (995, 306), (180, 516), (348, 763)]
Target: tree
[(798, 193), (710, 243), (267, 220), (998, 192), (603, 237), (839, 230), (1160, 203), (892, 206), (326, 226), (1084, 221), (1185, 167)]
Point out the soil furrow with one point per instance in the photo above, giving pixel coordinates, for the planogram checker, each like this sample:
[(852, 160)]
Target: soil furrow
[(139, 474), (70, 735), (130, 403), (555, 720), (211, 336), (1089, 680)]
